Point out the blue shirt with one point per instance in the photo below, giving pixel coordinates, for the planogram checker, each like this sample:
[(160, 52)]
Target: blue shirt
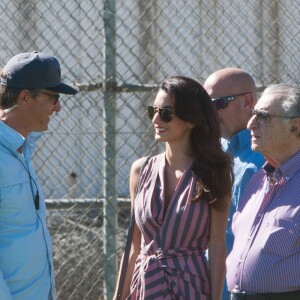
[(26, 266), (245, 164)]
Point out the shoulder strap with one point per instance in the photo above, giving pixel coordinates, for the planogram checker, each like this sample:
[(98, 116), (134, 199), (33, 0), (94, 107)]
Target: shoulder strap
[(139, 181), (129, 237)]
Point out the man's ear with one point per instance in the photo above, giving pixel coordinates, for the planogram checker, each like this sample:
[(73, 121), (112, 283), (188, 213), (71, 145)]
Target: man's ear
[(295, 126), (249, 102), (23, 97)]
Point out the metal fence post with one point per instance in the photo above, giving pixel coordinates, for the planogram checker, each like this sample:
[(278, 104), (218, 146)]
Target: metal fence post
[(269, 48), (109, 155)]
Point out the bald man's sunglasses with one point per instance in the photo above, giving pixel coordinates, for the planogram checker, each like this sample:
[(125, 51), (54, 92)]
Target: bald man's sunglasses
[(222, 102), (165, 114)]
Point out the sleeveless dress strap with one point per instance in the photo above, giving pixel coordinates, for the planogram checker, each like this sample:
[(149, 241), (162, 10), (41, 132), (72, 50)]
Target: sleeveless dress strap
[(129, 238)]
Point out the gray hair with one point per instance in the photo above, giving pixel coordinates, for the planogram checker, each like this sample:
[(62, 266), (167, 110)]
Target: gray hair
[(289, 95)]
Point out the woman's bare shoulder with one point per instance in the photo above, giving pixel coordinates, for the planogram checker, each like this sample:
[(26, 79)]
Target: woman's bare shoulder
[(136, 166)]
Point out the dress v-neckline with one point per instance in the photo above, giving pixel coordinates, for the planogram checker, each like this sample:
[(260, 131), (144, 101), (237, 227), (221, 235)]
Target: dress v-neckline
[(177, 188)]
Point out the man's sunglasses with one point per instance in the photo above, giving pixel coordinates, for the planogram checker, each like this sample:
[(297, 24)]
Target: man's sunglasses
[(263, 116), (54, 97), (165, 114), (222, 102)]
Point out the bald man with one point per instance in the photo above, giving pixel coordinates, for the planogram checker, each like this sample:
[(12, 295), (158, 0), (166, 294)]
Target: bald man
[(233, 92)]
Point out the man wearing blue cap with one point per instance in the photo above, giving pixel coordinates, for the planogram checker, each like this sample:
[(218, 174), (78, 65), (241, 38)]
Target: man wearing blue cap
[(30, 85)]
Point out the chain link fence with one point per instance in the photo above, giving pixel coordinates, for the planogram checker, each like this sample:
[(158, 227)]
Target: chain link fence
[(118, 52)]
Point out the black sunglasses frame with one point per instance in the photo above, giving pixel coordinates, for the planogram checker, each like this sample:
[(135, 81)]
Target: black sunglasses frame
[(263, 116), (222, 102), (165, 114), (55, 97)]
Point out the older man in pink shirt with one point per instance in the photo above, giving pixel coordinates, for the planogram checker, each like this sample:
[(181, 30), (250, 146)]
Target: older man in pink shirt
[(265, 261)]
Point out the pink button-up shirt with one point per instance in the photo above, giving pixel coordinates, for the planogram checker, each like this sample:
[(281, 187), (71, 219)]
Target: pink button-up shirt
[(266, 251)]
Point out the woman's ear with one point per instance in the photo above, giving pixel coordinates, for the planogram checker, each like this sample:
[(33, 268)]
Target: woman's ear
[(191, 126)]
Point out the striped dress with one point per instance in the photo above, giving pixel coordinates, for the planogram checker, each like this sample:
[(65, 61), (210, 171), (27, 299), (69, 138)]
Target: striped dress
[(172, 262)]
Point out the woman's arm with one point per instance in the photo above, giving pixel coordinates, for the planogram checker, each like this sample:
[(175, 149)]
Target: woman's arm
[(217, 250), (136, 239)]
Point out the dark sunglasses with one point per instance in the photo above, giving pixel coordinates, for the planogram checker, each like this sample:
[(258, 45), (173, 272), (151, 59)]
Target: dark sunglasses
[(222, 102), (54, 97), (263, 116), (165, 114)]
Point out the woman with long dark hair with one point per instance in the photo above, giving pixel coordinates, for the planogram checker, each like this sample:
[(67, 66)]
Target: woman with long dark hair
[(181, 200)]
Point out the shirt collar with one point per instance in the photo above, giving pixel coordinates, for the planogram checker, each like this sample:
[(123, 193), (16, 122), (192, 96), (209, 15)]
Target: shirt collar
[(287, 169), (13, 140), (239, 140), (10, 138)]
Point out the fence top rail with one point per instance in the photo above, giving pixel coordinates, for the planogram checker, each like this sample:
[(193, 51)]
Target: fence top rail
[(83, 202), (114, 87)]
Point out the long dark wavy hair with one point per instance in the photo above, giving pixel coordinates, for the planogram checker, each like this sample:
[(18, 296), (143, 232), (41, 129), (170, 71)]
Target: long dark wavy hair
[(212, 166)]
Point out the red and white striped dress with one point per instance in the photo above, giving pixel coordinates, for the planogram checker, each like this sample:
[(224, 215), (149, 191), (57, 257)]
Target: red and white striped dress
[(172, 262)]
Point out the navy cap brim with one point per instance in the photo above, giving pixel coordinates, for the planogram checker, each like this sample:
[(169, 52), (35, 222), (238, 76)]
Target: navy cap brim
[(64, 89)]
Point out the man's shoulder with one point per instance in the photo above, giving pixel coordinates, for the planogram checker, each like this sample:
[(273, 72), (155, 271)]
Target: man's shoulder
[(248, 160), (253, 159)]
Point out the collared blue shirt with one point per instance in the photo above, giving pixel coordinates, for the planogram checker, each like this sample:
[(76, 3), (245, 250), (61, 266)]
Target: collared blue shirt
[(26, 266), (245, 164)]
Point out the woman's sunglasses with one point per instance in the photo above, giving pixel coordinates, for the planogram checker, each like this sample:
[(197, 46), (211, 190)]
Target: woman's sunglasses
[(165, 114), (222, 102)]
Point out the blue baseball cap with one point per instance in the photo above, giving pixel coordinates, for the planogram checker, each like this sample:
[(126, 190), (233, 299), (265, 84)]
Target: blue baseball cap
[(36, 70)]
